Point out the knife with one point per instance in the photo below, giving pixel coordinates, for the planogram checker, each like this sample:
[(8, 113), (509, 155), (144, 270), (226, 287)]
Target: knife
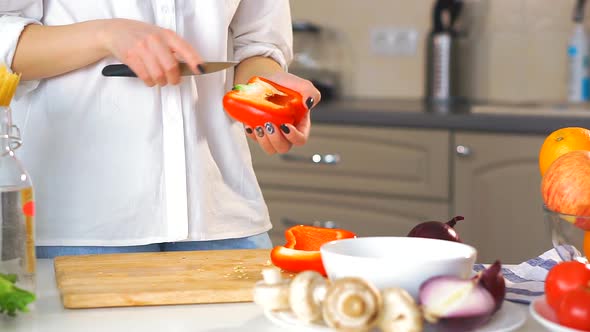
[(123, 70)]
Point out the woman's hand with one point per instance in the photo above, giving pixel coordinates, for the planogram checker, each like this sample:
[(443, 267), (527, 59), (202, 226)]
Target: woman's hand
[(280, 137), (150, 51)]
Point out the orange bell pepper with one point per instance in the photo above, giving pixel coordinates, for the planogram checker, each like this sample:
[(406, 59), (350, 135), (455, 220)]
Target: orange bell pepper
[(302, 250), (261, 101)]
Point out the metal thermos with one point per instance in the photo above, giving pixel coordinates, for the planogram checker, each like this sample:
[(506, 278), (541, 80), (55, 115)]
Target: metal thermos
[(439, 66), (440, 51)]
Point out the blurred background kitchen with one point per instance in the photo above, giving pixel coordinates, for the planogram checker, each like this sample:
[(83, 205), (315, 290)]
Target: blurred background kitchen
[(510, 50), (381, 158)]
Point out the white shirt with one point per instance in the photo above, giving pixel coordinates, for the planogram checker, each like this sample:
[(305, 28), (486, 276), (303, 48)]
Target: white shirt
[(114, 162)]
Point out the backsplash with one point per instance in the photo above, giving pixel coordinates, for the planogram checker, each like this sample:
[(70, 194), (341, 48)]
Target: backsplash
[(366, 74), (511, 50)]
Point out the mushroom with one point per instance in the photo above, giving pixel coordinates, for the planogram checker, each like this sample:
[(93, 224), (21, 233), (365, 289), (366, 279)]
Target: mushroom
[(306, 294), (351, 304), (272, 293), (400, 313)]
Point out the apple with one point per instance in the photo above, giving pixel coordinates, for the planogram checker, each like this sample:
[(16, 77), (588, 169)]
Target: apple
[(566, 186)]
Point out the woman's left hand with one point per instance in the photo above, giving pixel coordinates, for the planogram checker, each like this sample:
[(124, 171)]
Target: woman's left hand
[(281, 137)]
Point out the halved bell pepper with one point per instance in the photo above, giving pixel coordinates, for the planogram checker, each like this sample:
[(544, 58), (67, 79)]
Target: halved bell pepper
[(302, 250), (261, 101)]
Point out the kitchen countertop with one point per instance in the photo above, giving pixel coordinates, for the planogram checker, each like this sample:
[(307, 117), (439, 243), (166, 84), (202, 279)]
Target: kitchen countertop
[(49, 315), (505, 118)]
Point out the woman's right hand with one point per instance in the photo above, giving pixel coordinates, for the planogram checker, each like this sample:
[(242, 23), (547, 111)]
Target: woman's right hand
[(150, 51)]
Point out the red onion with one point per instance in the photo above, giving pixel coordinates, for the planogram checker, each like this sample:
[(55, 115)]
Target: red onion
[(455, 304), (437, 230), (493, 281)]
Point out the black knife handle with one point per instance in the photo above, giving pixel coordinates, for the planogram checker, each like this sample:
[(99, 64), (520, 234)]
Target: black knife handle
[(118, 70)]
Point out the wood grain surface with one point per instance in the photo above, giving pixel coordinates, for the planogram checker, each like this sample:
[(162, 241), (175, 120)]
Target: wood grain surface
[(140, 279)]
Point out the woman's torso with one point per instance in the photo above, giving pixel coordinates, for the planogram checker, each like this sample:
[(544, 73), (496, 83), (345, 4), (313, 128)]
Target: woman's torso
[(115, 162)]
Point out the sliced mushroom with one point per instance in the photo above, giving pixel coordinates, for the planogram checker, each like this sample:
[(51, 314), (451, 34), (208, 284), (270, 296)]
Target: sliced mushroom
[(351, 304), (306, 294), (272, 293), (400, 313)]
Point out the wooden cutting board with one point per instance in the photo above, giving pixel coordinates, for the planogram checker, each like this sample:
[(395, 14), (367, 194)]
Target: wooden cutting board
[(140, 279)]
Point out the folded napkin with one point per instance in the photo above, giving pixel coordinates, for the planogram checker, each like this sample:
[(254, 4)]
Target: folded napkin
[(526, 281)]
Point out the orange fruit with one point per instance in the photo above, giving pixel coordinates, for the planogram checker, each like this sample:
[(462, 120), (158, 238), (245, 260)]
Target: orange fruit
[(560, 142), (587, 244)]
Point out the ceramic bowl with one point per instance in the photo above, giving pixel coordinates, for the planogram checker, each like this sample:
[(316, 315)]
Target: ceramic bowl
[(404, 262)]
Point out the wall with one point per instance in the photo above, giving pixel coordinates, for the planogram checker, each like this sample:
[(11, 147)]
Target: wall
[(511, 50), (515, 50), (366, 74)]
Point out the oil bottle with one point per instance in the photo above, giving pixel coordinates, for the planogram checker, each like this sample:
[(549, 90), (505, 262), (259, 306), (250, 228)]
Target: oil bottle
[(17, 209)]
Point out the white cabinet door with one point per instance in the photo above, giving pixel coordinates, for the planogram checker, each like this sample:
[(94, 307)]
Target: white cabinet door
[(390, 161), (364, 215), (497, 188)]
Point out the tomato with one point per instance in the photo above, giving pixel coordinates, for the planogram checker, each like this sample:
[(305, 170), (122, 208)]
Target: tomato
[(574, 310), (564, 277)]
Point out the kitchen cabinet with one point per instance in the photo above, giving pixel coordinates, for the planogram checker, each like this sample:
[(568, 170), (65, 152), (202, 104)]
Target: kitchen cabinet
[(405, 162), (496, 187), (383, 181), (373, 181), (364, 215)]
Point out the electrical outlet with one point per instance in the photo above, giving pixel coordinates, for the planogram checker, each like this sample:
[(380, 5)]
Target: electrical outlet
[(394, 41)]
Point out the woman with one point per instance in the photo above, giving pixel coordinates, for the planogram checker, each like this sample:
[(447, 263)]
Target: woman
[(148, 164)]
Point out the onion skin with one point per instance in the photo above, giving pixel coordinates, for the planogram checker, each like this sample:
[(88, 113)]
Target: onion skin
[(455, 304), (437, 230), (493, 281)]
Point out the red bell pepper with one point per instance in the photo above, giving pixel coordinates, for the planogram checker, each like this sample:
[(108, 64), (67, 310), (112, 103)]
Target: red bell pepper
[(261, 101), (302, 250)]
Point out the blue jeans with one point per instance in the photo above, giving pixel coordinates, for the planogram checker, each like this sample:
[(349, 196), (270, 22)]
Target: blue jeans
[(259, 241)]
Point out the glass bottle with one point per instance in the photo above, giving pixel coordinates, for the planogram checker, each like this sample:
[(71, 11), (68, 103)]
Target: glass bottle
[(17, 209)]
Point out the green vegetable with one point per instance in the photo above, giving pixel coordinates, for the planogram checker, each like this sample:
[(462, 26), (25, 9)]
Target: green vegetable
[(12, 298)]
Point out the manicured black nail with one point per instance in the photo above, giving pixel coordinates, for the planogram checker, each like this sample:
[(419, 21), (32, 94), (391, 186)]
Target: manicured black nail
[(249, 130), (259, 131), (309, 103), (269, 128), (285, 129), (201, 68)]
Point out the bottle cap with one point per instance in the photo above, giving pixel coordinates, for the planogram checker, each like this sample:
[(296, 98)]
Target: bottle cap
[(579, 11)]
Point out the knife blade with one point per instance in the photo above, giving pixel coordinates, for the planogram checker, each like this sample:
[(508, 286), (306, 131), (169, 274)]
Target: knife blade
[(122, 70)]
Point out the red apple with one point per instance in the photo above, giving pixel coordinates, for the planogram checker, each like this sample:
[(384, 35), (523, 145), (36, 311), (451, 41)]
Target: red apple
[(566, 186)]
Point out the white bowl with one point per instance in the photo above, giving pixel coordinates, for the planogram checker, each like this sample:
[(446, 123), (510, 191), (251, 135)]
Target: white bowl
[(404, 262)]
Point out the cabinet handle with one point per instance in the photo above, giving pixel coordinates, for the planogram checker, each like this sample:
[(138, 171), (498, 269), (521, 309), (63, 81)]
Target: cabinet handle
[(288, 222), (463, 151), (316, 158)]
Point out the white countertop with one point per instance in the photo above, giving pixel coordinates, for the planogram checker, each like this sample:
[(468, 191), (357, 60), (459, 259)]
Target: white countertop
[(49, 315)]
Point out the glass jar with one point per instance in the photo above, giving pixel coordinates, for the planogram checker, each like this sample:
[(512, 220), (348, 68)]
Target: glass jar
[(17, 209), (570, 235), (317, 57)]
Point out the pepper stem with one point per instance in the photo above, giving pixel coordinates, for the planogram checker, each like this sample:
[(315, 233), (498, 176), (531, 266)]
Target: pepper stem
[(453, 221), (239, 87)]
